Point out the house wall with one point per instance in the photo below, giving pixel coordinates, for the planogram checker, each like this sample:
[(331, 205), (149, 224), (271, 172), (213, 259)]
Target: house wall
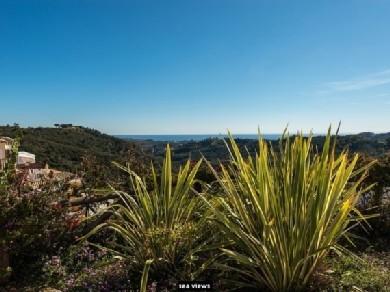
[(2, 150), (2, 155)]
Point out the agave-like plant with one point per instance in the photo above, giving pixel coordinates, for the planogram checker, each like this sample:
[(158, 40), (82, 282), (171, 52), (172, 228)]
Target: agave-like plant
[(160, 228), (283, 211)]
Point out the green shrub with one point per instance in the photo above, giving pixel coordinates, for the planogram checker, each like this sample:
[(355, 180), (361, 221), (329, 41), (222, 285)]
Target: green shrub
[(31, 227), (283, 211), (162, 225)]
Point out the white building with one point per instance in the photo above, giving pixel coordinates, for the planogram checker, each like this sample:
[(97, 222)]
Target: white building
[(25, 158), (5, 148)]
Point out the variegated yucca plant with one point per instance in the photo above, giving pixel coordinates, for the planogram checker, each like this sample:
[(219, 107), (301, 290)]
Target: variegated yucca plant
[(160, 228), (282, 211)]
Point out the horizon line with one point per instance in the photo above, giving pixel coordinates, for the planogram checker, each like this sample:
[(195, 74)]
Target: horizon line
[(256, 134)]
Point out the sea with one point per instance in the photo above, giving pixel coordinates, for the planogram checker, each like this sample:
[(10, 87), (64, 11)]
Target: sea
[(199, 137)]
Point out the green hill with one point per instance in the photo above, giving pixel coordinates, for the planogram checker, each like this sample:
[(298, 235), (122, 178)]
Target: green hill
[(68, 147), (375, 145)]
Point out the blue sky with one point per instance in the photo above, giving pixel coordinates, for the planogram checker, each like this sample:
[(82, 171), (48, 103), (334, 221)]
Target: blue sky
[(194, 66)]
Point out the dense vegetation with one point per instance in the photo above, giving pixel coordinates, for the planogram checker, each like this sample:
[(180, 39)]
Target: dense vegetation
[(214, 149), (30, 228), (65, 148), (281, 217), (284, 211), (78, 150)]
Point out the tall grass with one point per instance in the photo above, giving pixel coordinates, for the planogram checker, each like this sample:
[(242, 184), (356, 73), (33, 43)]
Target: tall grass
[(159, 227), (283, 211)]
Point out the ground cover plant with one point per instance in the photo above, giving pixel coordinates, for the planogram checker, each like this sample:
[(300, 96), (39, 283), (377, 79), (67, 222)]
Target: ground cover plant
[(368, 272)]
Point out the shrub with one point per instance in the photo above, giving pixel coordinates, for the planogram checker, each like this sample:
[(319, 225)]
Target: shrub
[(283, 211), (30, 226), (161, 226)]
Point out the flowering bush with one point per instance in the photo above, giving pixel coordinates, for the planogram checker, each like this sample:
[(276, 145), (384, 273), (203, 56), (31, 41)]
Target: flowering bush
[(30, 227), (85, 268)]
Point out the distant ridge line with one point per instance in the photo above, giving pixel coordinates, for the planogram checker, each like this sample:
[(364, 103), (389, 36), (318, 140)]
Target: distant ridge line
[(197, 137)]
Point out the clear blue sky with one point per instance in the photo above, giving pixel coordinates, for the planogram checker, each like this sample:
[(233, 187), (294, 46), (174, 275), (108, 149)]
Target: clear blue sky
[(196, 66)]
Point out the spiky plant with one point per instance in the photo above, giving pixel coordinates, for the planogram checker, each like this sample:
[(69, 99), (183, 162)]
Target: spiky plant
[(283, 211), (160, 229)]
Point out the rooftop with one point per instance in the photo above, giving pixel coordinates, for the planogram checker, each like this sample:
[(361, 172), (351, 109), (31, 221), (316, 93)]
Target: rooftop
[(6, 139)]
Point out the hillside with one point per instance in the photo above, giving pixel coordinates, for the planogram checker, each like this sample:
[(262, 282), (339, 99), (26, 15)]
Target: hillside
[(67, 148), (375, 145)]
